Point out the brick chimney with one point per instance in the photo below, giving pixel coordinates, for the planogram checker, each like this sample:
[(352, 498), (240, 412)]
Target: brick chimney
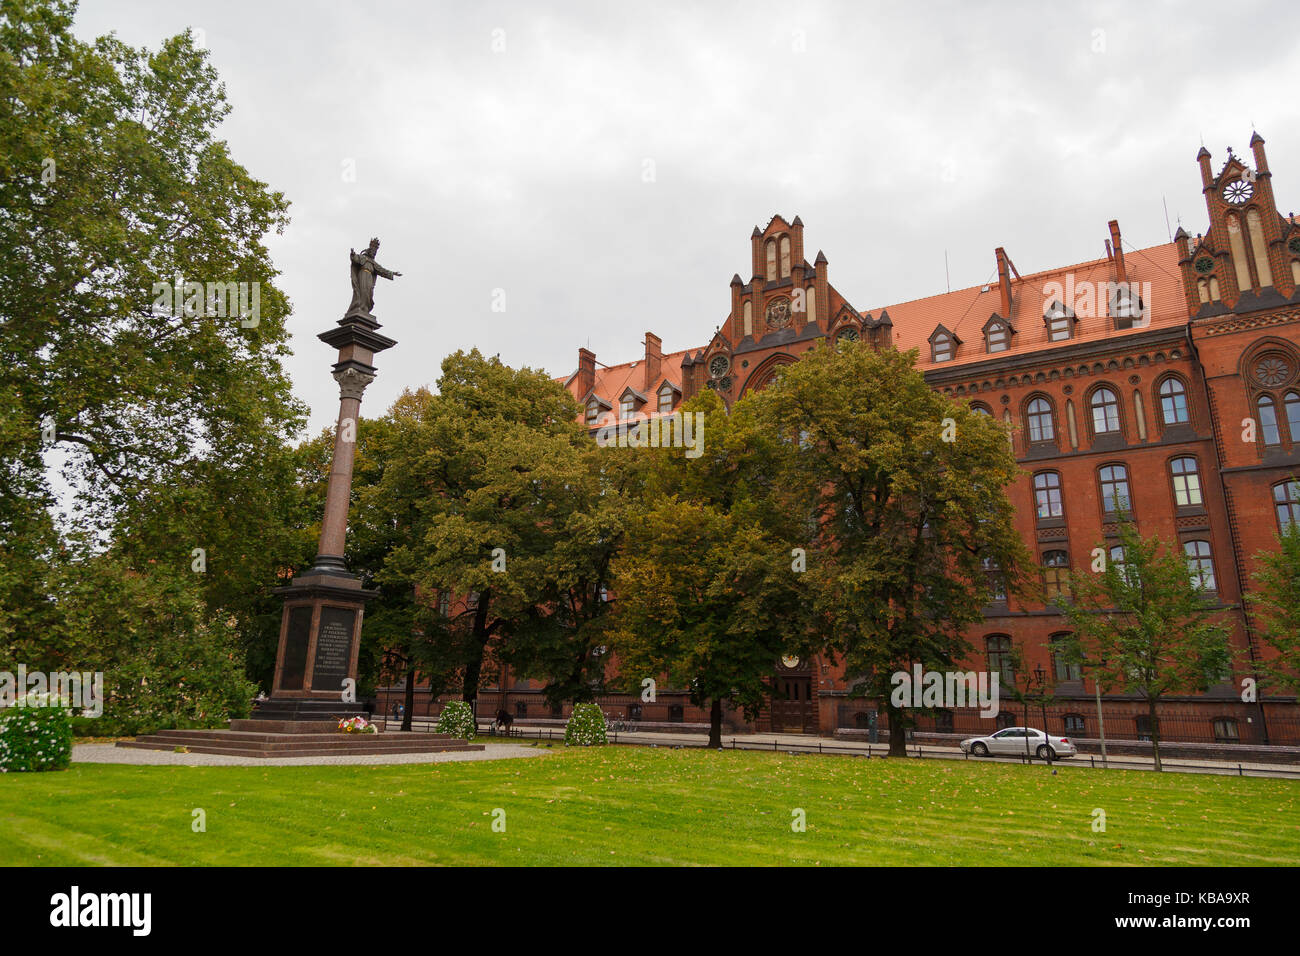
[(1118, 251), (654, 358), (1004, 282), (586, 372)]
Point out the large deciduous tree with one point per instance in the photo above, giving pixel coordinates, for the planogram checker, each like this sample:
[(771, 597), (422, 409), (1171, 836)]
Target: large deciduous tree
[(1277, 602), (164, 434), (708, 590), (912, 517)]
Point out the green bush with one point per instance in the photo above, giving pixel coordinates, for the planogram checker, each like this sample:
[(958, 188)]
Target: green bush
[(457, 719), (36, 734), (586, 727)]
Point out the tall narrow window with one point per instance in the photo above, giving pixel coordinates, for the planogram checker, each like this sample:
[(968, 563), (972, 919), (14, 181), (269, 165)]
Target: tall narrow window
[(593, 411), (1286, 499), (1291, 403), (785, 256), (627, 407), (997, 582), (1187, 482), (1047, 495), (1056, 575), (1199, 564), (1105, 411), (1039, 414), (1066, 669), (771, 259), (1114, 490), (1001, 660), (1268, 421), (1173, 402)]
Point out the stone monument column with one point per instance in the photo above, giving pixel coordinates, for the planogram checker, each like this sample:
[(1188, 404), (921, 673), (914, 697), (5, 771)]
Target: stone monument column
[(320, 631)]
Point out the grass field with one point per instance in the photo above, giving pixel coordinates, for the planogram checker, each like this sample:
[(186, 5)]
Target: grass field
[(626, 805)]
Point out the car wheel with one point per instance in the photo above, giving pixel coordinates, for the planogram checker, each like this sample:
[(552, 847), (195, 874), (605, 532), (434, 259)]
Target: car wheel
[(979, 750), (1044, 750)]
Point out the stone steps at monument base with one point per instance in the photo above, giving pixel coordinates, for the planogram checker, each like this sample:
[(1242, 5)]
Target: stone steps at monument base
[(294, 745)]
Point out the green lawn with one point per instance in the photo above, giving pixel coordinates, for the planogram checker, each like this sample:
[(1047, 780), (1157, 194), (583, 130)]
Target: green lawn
[(629, 805)]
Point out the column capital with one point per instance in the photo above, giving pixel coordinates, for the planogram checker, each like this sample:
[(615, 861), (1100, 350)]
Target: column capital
[(352, 382)]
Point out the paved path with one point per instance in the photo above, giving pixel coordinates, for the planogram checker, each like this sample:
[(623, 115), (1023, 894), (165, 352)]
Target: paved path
[(109, 753)]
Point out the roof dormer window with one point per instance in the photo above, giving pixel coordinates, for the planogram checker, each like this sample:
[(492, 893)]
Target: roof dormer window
[(666, 399), (1060, 322)]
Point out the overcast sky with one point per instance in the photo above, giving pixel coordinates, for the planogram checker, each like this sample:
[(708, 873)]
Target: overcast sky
[(505, 146)]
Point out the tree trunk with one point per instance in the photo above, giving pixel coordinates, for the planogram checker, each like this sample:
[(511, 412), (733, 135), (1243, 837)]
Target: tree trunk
[(410, 696), (897, 731), (715, 724), (474, 668), (1155, 731)]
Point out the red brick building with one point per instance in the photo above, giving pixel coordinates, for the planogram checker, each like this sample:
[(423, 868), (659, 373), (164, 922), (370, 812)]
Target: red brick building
[(1167, 378)]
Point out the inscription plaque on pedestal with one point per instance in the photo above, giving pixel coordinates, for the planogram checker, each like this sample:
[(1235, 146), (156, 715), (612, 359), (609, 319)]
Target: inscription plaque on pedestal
[(333, 657)]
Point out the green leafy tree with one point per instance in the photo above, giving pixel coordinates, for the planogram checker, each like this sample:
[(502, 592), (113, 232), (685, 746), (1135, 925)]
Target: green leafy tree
[(1144, 624), (707, 591), (1277, 601), (912, 525), (485, 479), (170, 429)]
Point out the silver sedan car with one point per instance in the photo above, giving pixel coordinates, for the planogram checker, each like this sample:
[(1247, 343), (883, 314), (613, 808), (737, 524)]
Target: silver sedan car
[(1018, 741)]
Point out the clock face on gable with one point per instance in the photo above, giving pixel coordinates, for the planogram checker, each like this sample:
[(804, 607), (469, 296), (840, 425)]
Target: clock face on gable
[(778, 313), (718, 366)]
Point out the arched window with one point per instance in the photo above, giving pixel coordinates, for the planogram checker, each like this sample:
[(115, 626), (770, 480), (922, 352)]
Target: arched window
[(1173, 402), (771, 259), (1064, 668), (785, 256), (1291, 403), (997, 337), (1114, 490), (665, 399), (1038, 414), (1187, 482), (980, 408), (1056, 575), (1200, 565), (1047, 495), (1001, 660), (1268, 421), (941, 347), (1105, 411), (1286, 499)]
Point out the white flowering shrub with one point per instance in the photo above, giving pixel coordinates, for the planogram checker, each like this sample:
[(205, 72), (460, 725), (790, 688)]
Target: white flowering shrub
[(36, 734), (586, 727), (457, 719)]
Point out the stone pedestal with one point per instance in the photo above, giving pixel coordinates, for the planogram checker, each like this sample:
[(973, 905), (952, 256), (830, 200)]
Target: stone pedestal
[(320, 636)]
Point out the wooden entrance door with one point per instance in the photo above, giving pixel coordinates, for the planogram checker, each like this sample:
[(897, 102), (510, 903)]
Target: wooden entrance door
[(792, 705)]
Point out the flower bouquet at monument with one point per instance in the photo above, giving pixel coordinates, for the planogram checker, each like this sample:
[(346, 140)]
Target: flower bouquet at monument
[(357, 725)]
